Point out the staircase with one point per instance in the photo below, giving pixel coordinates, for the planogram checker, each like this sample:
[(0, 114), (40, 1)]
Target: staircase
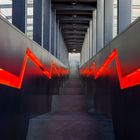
[(68, 119)]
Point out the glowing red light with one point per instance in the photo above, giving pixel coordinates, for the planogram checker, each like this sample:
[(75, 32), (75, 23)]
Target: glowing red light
[(127, 81), (14, 81)]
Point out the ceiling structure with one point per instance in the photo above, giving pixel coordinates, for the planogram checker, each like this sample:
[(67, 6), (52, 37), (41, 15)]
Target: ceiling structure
[(74, 17)]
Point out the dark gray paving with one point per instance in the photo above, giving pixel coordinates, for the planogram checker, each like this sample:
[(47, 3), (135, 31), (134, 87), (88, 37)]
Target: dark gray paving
[(68, 103), (70, 126), (69, 119), (105, 127)]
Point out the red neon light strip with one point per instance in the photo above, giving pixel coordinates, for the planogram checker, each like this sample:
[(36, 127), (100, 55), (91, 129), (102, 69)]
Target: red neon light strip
[(8, 79), (127, 81)]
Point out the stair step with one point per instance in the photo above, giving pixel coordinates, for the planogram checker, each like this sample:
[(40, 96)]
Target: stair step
[(71, 91), (63, 126), (74, 85), (68, 103), (74, 81)]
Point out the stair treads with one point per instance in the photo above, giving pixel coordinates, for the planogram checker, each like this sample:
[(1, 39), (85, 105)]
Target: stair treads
[(70, 91), (63, 126), (68, 103)]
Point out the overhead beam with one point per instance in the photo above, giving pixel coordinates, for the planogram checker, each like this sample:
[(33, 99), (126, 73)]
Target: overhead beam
[(74, 22), (68, 1), (73, 29), (71, 48), (76, 47), (77, 51), (63, 12), (70, 18), (77, 7), (77, 27), (74, 34), (73, 40), (74, 44), (74, 37)]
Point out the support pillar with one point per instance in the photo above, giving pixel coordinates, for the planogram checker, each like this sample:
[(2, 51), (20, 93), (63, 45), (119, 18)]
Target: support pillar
[(90, 39), (100, 25), (57, 39), (124, 14), (47, 25), (55, 34), (52, 31), (88, 45), (94, 49), (108, 21), (18, 14), (37, 22), (60, 43)]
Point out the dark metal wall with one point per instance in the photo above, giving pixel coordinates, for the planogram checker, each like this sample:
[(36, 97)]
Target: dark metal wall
[(17, 106), (119, 103)]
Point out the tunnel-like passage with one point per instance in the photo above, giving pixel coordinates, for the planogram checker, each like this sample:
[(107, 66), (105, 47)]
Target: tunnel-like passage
[(62, 74)]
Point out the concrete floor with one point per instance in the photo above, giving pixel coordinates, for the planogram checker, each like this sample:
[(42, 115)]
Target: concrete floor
[(69, 118)]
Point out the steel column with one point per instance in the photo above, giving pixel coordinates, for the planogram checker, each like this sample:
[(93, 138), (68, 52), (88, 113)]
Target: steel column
[(57, 39), (94, 33), (37, 21), (52, 31), (55, 34), (124, 14), (47, 25), (100, 24), (90, 39), (108, 21), (18, 14)]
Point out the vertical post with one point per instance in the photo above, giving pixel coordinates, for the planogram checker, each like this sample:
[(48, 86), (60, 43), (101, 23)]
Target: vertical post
[(100, 24), (52, 31), (88, 45), (55, 34), (84, 51), (59, 49), (124, 14), (46, 41), (18, 14), (90, 39), (37, 21), (57, 38), (108, 21), (94, 34)]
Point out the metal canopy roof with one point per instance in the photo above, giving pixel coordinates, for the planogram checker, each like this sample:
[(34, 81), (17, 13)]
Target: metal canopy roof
[(74, 17)]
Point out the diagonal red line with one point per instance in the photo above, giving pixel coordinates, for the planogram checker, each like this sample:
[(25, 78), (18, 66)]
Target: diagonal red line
[(9, 79), (127, 81)]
